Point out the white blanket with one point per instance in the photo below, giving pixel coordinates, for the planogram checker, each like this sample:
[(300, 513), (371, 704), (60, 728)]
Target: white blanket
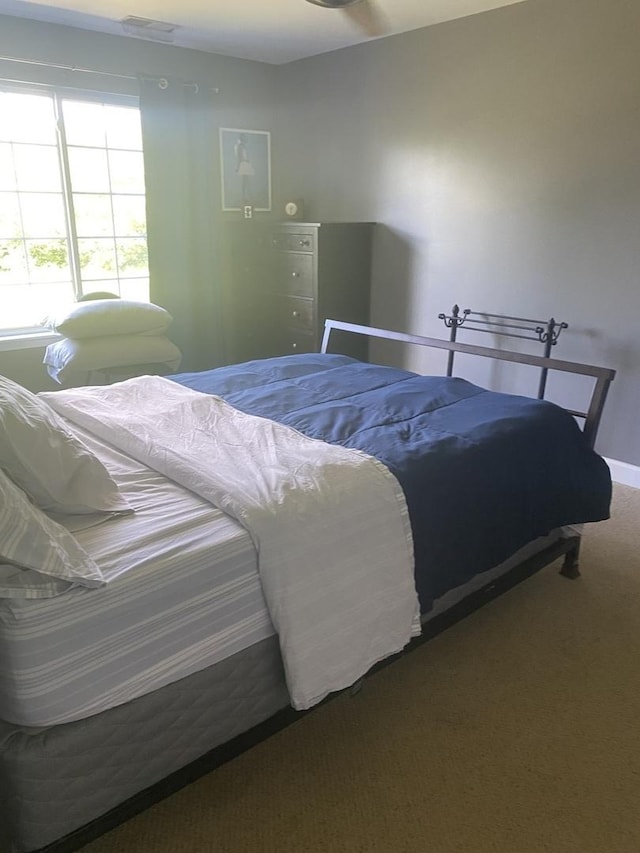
[(330, 524)]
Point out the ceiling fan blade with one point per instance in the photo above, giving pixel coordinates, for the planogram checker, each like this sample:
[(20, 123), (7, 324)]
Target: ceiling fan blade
[(367, 17)]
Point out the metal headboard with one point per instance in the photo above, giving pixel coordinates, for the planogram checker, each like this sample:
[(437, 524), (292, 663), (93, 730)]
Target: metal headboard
[(603, 376), (545, 332)]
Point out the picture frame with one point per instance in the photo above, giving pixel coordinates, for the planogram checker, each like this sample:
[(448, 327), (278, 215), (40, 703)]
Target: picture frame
[(245, 169)]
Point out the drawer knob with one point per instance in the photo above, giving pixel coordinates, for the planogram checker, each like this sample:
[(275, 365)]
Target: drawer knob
[(294, 346), (295, 274), (295, 313)]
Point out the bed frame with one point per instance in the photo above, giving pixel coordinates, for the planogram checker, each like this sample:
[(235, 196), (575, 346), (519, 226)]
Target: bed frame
[(603, 376), (546, 332), (96, 773)]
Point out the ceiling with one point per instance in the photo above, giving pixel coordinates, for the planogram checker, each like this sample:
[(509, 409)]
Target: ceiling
[(273, 31)]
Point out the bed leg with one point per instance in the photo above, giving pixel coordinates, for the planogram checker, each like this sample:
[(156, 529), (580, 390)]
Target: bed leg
[(570, 566)]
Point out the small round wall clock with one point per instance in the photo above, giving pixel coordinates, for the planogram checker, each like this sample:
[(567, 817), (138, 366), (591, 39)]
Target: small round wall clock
[(293, 209)]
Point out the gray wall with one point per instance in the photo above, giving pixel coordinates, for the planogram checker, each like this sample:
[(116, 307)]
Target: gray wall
[(501, 155)]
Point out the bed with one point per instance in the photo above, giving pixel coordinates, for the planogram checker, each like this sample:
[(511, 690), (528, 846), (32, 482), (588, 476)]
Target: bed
[(183, 646)]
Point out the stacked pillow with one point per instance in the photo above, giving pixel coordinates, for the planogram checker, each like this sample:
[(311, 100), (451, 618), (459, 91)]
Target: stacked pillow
[(107, 333), (45, 468)]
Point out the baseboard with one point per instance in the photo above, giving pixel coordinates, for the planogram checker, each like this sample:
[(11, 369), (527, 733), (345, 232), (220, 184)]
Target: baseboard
[(624, 473)]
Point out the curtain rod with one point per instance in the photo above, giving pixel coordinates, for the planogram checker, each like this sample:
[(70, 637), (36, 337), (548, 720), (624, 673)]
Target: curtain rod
[(163, 82)]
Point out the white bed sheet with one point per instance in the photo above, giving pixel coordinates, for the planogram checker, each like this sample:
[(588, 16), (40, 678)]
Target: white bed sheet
[(183, 593), (330, 524)]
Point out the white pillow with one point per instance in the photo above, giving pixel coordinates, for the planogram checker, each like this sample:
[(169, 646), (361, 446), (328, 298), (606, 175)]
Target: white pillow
[(111, 317), (38, 557), (69, 359), (47, 461)]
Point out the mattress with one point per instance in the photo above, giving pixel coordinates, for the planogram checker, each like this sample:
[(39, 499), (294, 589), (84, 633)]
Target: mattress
[(183, 589), (330, 524), (183, 593)]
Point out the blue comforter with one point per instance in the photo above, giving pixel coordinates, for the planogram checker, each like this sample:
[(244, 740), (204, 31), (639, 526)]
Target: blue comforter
[(483, 473)]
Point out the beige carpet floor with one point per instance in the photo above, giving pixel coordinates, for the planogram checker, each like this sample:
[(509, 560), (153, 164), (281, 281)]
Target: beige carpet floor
[(515, 731)]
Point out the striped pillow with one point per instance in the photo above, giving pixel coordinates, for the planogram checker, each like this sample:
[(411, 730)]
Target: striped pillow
[(38, 557)]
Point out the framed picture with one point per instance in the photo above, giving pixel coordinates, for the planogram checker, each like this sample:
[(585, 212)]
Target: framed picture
[(245, 165)]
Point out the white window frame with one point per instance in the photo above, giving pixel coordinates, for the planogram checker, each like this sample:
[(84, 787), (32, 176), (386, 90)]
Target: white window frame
[(35, 336)]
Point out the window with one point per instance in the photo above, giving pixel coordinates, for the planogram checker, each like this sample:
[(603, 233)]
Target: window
[(72, 202)]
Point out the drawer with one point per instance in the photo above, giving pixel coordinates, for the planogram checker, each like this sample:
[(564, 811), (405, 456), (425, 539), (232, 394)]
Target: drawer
[(296, 341), (287, 241), (294, 274), (295, 312)]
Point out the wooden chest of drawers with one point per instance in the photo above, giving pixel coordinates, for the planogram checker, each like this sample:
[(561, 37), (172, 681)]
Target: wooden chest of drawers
[(288, 277)]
